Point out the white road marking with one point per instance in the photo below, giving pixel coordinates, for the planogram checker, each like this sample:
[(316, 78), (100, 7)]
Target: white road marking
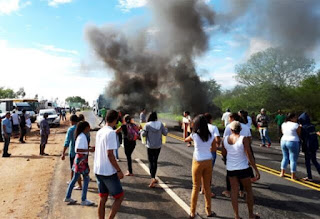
[(166, 188)]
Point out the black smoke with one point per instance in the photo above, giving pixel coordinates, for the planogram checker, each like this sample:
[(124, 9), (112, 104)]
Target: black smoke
[(155, 64)]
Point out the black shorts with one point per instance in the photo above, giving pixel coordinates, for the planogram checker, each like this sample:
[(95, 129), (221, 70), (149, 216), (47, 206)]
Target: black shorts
[(240, 174)]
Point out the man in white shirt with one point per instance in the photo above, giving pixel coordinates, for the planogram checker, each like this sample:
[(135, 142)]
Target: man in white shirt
[(106, 168), (225, 118), (15, 123)]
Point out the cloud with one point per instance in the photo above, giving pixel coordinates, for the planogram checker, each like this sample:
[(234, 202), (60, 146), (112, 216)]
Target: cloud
[(46, 74), (9, 6), (127, 5), (56, 3), (257, 45), (52, 48)]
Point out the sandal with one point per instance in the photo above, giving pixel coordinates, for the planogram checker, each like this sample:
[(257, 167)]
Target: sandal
[(307, 179), (212, 214), (226, 194)]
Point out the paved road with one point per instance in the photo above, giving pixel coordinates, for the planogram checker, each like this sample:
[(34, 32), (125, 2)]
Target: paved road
[(275, 197)]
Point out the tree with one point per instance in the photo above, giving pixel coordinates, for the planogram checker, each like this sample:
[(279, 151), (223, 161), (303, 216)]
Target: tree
[(7, 93), (76, 99), (275, 66), (212, 87), (21, 93)]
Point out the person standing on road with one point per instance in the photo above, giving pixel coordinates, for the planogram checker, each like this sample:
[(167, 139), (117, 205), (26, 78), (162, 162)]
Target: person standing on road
[(225, 117), (106, 168), (215, 133), (290, 144), (186, 125), (130, 135), (1, 138), (204, 143), (280, 118), (237, 150), (81, 165), (69, 142), (310, 144), (6, 132), (103, 113), (63, 113), (143, 116), (153, 131), (23, 129), (15, 123), (81, 118), (44, 133), (263, 123)]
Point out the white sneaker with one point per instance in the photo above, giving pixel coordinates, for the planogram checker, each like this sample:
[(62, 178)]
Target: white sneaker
[(87, 203), (70, 200)]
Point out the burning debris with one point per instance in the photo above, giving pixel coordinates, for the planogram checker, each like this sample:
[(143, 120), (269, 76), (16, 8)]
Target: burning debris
[(149, 65)]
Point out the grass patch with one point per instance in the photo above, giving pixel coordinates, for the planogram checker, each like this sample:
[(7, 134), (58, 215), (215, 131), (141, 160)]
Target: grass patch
[(170, 116)]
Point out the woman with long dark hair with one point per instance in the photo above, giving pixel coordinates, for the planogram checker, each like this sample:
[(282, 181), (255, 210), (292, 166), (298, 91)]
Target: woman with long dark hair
[(204, 143), (153, 131), (130, 135), (80, 165)]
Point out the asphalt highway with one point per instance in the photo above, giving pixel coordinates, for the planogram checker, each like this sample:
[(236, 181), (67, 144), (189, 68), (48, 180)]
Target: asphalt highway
[(275, 197)]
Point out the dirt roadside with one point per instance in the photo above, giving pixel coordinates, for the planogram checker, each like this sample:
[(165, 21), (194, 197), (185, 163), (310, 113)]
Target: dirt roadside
[(26, 176)]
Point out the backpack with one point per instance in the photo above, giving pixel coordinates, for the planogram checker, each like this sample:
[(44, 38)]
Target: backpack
[(309, 138), (132, 132)]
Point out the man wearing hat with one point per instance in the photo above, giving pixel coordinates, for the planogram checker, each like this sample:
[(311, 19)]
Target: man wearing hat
[(263, 123), (6, 132)]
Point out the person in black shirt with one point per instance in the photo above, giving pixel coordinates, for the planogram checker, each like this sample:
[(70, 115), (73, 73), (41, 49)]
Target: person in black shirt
[(23, 126)]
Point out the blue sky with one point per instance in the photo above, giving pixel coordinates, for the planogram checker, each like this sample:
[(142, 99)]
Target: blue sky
[(42, 45)]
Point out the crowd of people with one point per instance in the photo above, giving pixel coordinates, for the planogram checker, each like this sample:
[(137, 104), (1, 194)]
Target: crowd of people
[(235, 146)]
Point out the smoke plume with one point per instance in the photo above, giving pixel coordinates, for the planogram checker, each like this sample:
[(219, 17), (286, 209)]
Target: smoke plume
[(292, 24), (154, 64)]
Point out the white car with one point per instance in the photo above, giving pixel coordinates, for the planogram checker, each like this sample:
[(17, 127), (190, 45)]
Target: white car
[(53, 118)]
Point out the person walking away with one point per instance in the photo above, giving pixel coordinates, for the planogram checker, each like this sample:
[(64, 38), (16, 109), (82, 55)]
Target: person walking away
[(28, 126), (153, 131), (81, 165), (143, 116), (310, 144), (119, 135), (130, 135), (225, 117), (215, 133), (103, 113), (290, 144), (245, 131), (263, 123), (204, 143), (44, 133), (69, 142), (6, 132), (186, 125), (23, 129), (63, 113), (280, 118), (236, 148), (15, 123), (106, 168)]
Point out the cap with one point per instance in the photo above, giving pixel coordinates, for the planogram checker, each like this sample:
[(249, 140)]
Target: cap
[(263, 110), (235, 126)]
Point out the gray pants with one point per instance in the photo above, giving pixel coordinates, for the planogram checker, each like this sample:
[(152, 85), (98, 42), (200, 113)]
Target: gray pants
[(6, 144)]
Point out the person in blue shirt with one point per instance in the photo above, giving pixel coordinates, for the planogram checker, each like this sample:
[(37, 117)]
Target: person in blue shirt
[(70, 143), (6, 132)]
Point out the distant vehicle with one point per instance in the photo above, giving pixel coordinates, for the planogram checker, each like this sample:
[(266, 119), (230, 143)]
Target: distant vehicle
[(34, 103), (53, 118), (25, 106), (8, 105), (78, 109)]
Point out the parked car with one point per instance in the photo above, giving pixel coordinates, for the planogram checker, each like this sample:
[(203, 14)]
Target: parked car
[(26, 106), (53, 118)]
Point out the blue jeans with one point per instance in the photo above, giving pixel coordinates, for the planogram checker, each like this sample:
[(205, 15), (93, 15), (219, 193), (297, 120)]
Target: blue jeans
[(264, 135), (86, 180), (290, 151), (214, 157)]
